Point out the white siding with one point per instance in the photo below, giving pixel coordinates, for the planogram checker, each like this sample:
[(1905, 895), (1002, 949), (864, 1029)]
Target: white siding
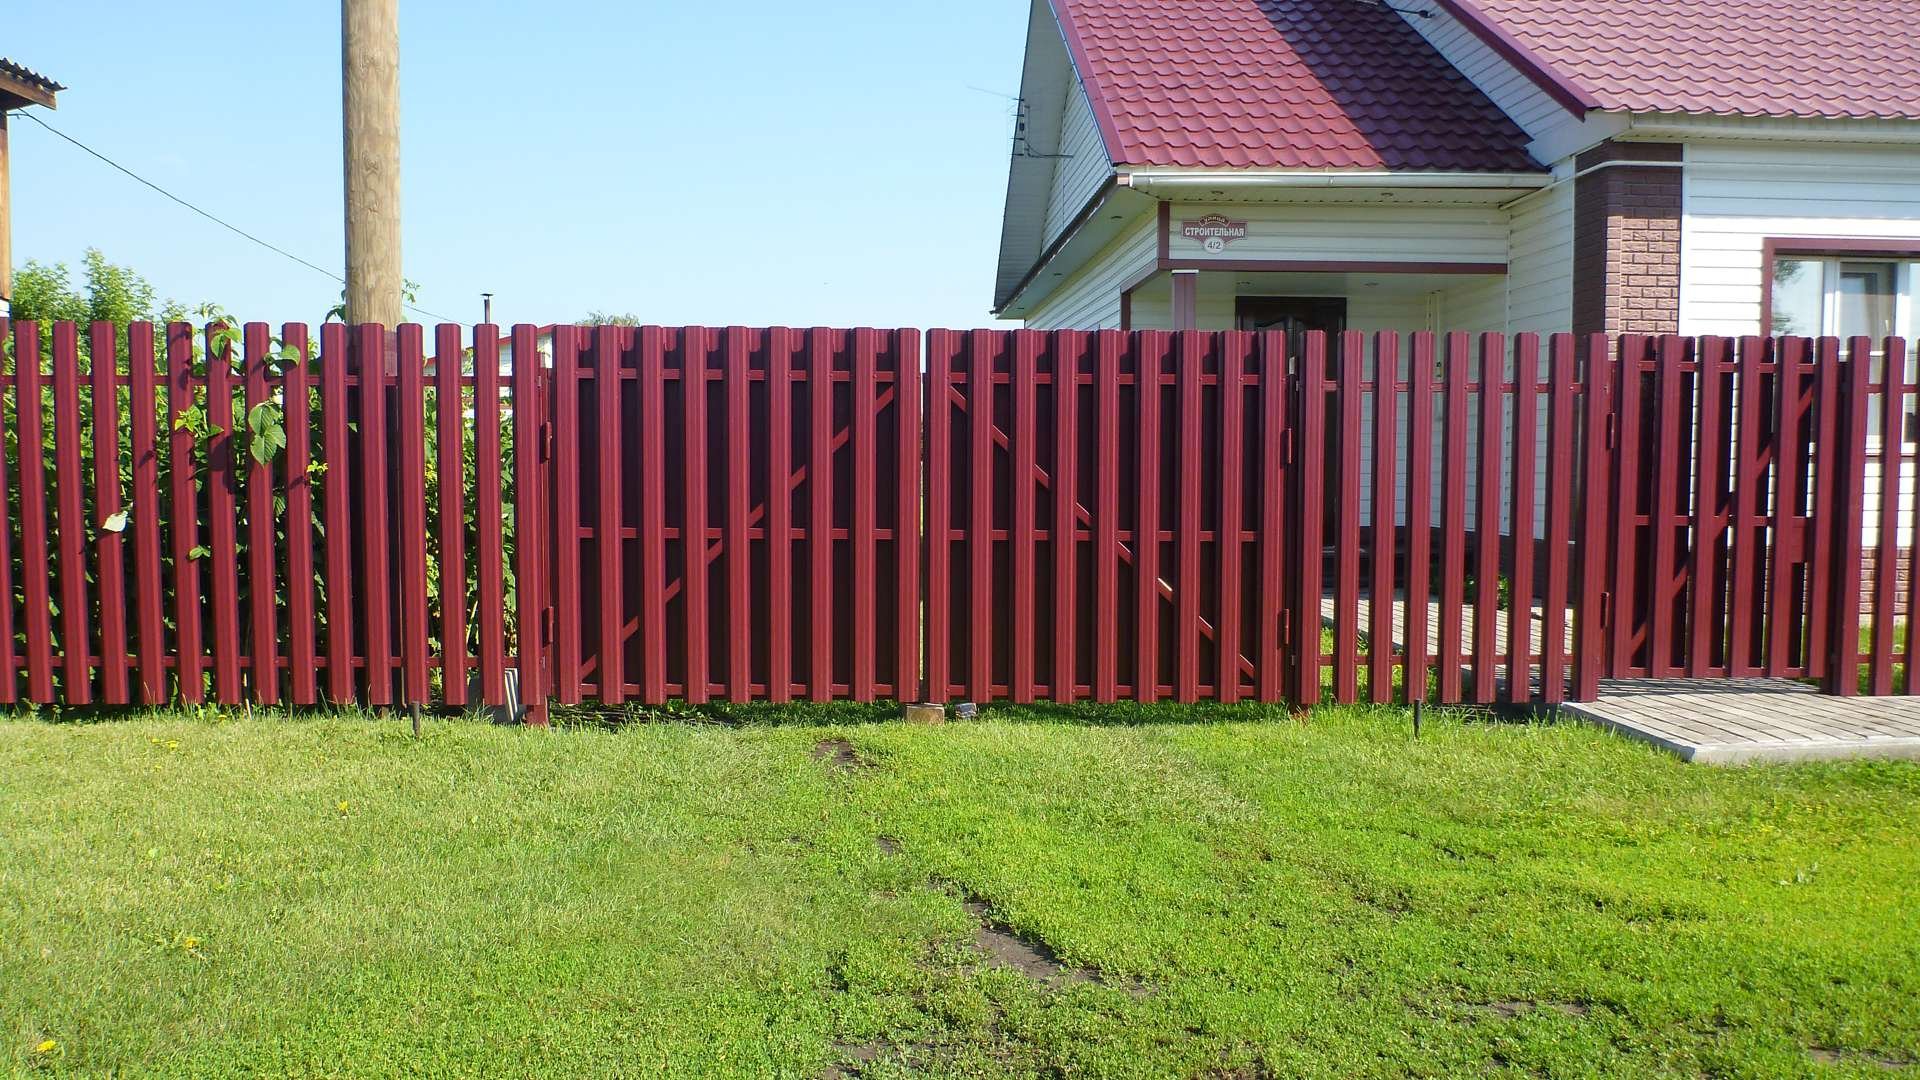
[(1082, 168), (1090, 299), (1540, 263), (1737, 195), (1382, 232)]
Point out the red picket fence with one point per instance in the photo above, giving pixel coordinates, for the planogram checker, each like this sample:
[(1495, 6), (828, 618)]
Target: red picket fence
[(1184, 515), (317, 569), (638, 514), (763, 488)]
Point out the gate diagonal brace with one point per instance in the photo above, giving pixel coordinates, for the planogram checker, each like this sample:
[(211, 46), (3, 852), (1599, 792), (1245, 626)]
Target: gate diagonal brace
[(882, 401), (1085, 517)]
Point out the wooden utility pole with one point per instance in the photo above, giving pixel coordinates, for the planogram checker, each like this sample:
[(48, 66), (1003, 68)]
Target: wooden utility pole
[(370, 112), (19, 88)]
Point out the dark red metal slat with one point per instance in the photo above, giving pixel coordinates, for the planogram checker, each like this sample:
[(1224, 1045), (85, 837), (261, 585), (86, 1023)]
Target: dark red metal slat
[(449, 409), (738, 548), (782, 345), (223, 541), (109, 546), (1312, 482), (1453, 518), (942, 347), (1190, 359), (148, 583), (297, 480), (263, 617), (1419, 513), (1562, 489), (1486, 541), (70, 525), (1526, 404), (336, 363), (1068, 349), (1235, 350), (1383, 538), (1590, 641)]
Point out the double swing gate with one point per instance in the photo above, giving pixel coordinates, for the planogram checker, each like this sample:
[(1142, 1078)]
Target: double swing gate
[(619, 515)]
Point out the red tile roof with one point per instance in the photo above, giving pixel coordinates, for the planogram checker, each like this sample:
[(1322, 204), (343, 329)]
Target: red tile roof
[(1806, 58), (1333, 84)]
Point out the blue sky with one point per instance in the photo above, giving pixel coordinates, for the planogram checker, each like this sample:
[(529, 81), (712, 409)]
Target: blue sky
[(742, 162)]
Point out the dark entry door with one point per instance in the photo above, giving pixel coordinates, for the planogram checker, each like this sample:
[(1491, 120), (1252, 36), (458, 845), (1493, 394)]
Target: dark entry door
[(1298, 316)]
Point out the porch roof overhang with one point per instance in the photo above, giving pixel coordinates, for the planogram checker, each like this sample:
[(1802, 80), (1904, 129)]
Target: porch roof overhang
[(1242, 185)]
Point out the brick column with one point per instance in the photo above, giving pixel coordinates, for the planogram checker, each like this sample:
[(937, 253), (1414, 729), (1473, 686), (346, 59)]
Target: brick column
[(1626, 240)]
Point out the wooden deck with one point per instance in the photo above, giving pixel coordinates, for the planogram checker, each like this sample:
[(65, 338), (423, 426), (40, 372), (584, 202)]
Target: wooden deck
[(1716, 721), (1747, 721)]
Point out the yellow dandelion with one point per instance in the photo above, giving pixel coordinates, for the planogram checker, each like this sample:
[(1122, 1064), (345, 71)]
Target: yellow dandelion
[(45, 1046), (190, 944), (343, 806), (173, 744)]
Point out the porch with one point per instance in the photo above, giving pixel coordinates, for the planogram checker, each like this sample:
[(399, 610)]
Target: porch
[(1402, 297)]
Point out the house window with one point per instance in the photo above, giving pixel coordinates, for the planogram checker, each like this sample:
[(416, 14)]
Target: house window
[(1844, 295), (1822, 296)]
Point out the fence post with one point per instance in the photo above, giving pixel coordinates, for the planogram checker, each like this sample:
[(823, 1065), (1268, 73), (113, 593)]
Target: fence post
[(529, 547), (1843, 670), (1597, 462)]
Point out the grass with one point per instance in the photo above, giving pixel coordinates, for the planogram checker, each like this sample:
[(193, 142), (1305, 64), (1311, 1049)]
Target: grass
[(1227, 894)]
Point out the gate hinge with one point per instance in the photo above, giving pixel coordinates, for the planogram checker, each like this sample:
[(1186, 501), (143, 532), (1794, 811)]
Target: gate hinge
[(1613, 432), (1606, 609), (546, 440), (1286, 632), (549, 627), (1286, 447)]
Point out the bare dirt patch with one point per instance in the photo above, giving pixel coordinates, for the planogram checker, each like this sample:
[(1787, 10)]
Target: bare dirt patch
[(1829, 1056), (853, 1058), (888, 845), (1029, 956), (838, 755), (1514, 1008)]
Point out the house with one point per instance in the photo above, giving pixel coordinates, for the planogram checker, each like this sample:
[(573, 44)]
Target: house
[(19, 88), (1691, 166)]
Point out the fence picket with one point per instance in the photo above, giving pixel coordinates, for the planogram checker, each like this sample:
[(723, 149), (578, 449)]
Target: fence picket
[(943, 346), (738, 549), (1382, 537), (529, 506), (1023, 451), (1599, 379), (1789, 538), (1526, 403), (146, 512), (263, 653), (1346, 538), (780, 354), (450, 458), (1068, 350), (1709, 521), (1106, 521), (1189, 359), (70, 525), (223, 541), (1419, 514), (1887, 549), (1453, 520), (1149, 367), (109, 555), (1272, 609), (1230, 546), (652, 448), (1561, 491), (1486, 540), (410, 464), (1312, 475), (820, 519), (907, 449), (336, 364), (302, 654), (1749, 561)]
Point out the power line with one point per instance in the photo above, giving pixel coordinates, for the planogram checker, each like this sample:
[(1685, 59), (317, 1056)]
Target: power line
[(227, 225)]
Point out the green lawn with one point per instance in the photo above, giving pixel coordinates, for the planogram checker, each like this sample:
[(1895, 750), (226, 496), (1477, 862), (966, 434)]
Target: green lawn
[(1227, 894)]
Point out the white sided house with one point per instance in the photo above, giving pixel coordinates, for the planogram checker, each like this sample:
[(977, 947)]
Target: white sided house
[(1513, 165), (1686, 166)]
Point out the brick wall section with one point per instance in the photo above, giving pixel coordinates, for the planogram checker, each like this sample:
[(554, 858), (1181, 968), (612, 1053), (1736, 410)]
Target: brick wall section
[(1626, 241)]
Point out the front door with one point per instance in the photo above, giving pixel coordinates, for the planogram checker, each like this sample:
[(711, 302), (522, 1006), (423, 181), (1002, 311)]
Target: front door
[(1298, 316)]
